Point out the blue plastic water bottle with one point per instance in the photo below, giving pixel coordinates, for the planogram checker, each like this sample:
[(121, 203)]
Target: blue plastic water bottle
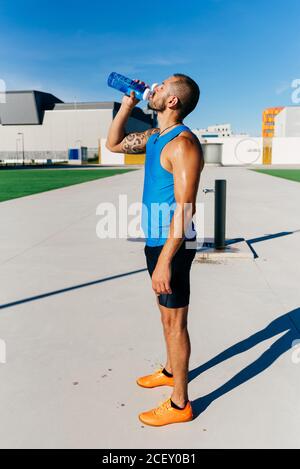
[(126, 85)]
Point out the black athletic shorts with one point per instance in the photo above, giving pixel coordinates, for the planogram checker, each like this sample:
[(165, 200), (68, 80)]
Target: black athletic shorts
[(180, 274)]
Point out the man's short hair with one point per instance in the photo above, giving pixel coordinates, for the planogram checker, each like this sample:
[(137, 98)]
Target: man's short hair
[(188, 93)]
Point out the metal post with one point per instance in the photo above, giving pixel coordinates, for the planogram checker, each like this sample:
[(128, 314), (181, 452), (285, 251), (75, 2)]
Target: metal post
[(17, 150), (23, 149), (220, 213)]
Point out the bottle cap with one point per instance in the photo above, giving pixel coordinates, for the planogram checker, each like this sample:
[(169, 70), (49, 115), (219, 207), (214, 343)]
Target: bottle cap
[(153, 86), (146, 93)]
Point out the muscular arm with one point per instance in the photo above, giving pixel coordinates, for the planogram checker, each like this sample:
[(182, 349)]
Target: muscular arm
[(187, 164), (134, 142)]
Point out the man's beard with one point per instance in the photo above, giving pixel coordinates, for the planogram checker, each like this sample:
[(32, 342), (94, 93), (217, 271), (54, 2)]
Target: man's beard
[(158, 107)]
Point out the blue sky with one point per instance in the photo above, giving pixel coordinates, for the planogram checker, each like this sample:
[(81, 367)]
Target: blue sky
[(243, 54)]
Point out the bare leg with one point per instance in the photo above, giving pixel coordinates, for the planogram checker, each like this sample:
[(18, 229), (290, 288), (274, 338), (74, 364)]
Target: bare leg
[(174, 322)]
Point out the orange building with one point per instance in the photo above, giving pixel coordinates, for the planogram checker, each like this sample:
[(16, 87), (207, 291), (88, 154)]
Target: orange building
[(268, 120)]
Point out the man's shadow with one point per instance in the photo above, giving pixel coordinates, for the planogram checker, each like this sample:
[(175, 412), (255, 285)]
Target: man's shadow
[(289, 322)]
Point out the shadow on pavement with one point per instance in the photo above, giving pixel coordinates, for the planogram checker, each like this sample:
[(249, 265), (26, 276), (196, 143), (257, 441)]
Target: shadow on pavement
[(289, 323), (68, 289)]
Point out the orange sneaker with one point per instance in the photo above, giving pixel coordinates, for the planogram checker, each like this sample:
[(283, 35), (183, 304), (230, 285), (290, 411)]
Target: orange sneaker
[(166, 414), (158, 378)]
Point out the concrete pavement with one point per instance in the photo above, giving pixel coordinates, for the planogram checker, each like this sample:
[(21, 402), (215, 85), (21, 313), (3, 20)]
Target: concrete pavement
[(80, 323)]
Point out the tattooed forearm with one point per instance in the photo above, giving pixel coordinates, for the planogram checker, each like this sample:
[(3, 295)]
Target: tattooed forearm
[(136, 142), (133, 143)]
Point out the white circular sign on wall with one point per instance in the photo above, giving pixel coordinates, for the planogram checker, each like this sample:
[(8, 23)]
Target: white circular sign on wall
[(247, 151)]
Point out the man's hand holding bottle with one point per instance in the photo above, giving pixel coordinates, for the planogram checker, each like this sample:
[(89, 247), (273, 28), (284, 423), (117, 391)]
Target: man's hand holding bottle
[(131, 101)]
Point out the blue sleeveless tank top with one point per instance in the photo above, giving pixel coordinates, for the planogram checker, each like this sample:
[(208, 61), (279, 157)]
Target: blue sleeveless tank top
[(158, 194)]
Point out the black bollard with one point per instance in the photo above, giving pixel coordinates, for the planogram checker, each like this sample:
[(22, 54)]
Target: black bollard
[(220, 213)]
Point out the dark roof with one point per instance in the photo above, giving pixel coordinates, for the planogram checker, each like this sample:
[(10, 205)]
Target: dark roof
[(26, 107)]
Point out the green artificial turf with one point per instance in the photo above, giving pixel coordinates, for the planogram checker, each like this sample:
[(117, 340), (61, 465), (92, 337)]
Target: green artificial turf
[(16, 183), (291, 174)]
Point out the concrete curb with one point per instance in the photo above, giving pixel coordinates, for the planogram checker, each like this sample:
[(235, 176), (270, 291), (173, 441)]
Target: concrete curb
[(236, 250)]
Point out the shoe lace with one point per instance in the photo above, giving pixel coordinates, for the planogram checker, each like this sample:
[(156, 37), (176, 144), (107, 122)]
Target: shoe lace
[(163, 407)]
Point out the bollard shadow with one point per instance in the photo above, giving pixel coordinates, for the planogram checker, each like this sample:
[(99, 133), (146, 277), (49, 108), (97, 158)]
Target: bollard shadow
[(289, 323), (250, 242)]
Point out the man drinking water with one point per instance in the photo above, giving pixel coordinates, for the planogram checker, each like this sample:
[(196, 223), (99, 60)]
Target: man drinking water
[(174, 162)]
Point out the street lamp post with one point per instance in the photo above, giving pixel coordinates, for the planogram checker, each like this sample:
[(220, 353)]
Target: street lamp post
[(17, 150), (23, 149)]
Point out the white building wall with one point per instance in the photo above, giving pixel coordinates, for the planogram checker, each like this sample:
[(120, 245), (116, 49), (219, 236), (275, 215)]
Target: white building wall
[(287, 122), (293, 122), (239, 151), (286, 150), (60, 131), (280, 123), (220, 129)]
